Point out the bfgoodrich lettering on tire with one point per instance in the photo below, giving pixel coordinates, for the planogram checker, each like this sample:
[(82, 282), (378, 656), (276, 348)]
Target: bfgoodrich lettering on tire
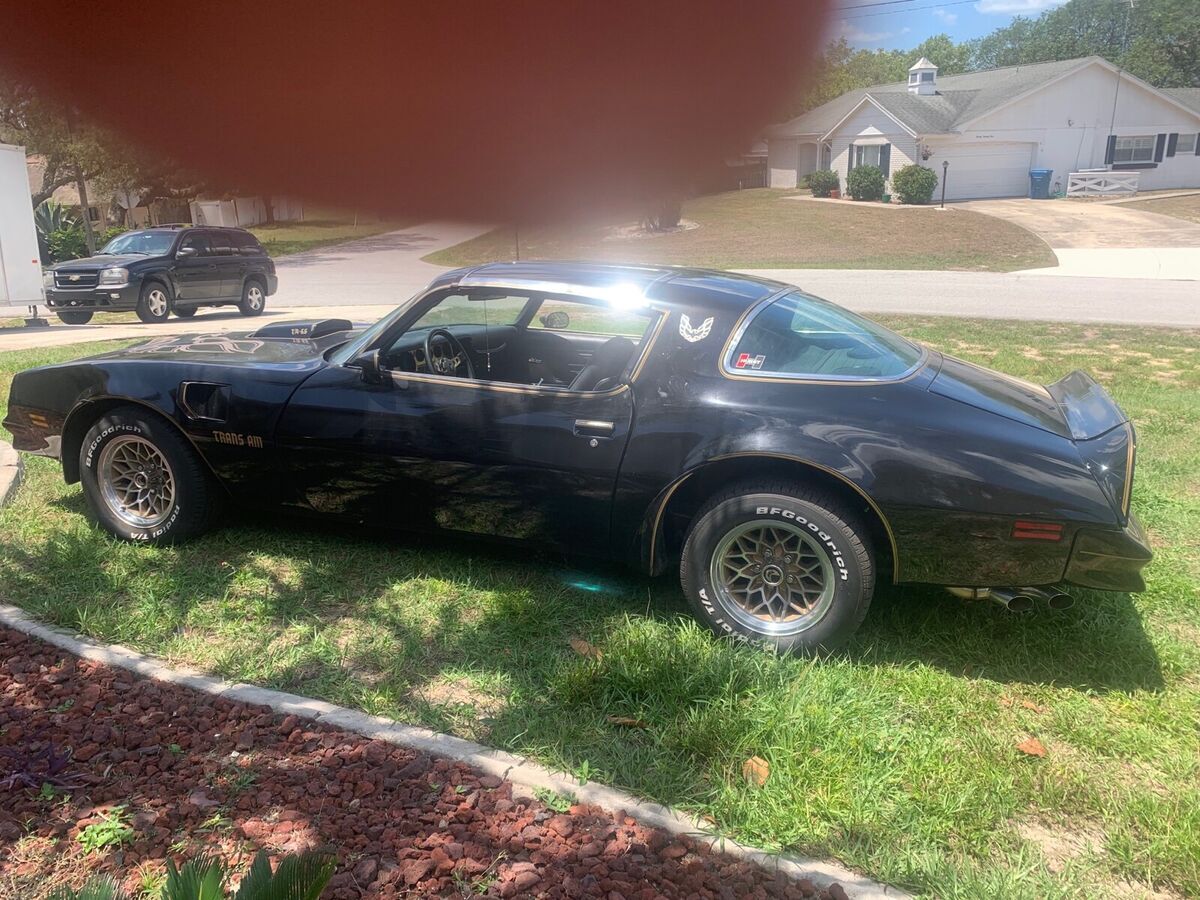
[(142, 481), (781, 565)]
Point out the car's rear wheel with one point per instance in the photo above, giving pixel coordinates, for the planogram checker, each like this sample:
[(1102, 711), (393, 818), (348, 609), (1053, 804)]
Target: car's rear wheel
[(142, 481), (154, 304), (76, 316), (254, 299), (781, 565), (184, 312)]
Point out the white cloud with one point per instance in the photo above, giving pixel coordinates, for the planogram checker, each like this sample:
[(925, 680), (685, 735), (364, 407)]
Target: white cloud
[(1009, 7), (905, 30), (856, 35), (948, 17)]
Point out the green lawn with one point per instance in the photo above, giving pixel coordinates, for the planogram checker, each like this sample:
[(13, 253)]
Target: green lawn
[(322, 228), (770, 229), (898, 756), (1186, 207)]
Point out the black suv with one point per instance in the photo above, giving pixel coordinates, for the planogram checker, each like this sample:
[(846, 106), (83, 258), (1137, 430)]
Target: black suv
[(157, 271)]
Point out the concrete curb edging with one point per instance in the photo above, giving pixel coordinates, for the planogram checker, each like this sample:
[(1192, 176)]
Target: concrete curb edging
[(525, 776), (11, 470)]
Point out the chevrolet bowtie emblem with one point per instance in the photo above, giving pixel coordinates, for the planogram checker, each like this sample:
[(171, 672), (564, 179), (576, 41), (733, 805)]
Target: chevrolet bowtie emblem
[(74, 277)]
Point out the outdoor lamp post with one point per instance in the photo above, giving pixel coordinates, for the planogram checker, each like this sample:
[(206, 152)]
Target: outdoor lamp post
[(945, 169)]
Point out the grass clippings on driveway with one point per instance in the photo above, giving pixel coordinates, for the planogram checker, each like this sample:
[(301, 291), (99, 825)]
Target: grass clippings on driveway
[(771, 229), (1185, 207), (900, 756)]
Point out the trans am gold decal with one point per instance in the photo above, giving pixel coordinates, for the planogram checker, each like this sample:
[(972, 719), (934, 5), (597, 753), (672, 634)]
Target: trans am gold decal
[(238, 440)]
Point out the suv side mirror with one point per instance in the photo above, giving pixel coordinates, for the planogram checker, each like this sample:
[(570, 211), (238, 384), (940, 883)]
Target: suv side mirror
[(557, 320), (185, 252), (372, 370)]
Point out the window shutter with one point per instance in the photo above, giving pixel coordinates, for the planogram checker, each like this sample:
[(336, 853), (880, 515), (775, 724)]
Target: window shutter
[(1198, 145), (850, 164), (885, 160), (1172, 141), (1111, 150), (1159, 146)]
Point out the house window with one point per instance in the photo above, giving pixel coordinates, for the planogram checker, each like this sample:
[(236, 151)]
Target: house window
[(927, 77), (1134, 149), (1186, 143), (867, 154), (912, 77)]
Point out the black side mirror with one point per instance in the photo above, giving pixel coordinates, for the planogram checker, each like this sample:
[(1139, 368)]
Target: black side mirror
[(185, 252), (372, 371), (556, 320)]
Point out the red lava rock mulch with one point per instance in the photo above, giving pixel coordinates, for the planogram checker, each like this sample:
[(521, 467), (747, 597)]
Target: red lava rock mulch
[(201, 773)]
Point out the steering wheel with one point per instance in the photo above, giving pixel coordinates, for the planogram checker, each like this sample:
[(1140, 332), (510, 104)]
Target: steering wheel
[(445, 354)]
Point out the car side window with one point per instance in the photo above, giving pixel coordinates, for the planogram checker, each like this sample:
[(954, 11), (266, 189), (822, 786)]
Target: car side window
[(557, 314), (220, 243), (245, 244), (472, 309), (197, 242), (798, 335)]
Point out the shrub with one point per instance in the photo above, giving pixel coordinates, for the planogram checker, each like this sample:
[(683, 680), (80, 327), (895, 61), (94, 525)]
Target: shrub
[(823, 182), (914, 184), (66, 243), (865, 183)]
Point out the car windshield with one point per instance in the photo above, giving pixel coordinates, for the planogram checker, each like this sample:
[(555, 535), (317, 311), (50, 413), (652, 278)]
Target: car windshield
[(145, 243)]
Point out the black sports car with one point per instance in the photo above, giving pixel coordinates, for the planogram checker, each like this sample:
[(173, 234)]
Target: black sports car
[(783, 452)]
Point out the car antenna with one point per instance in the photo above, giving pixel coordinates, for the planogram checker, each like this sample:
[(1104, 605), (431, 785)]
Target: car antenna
[(487, 338)]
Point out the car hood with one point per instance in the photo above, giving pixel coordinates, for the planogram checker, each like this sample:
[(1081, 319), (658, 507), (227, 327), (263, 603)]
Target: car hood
[(1005, 395), (281, 344), (96, 263)]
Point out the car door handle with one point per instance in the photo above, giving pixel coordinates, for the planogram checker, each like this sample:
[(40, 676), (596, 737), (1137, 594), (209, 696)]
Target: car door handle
[(594, 427)]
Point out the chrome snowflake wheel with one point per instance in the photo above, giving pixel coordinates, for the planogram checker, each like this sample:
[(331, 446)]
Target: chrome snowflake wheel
[(773, 577), (254, 297), (136, 482), (156, 302)]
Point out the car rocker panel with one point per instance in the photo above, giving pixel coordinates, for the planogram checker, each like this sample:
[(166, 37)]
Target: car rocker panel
[(783, 452)]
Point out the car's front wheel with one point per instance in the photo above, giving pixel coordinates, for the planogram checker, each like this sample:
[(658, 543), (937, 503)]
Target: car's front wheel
[(781, 565), (75, 316), (154, 303), (254, 299), (142, 481)]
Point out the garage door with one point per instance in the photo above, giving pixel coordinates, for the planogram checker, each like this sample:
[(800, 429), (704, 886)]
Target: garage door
[(986, 170)]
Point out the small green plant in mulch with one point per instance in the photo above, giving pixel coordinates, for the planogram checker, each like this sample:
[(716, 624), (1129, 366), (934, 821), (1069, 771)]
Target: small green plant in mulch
[(298, 877), (560, 803), (113, 830)]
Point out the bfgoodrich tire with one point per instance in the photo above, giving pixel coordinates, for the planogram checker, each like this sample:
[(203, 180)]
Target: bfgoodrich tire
[(781, 565), (142, 481)]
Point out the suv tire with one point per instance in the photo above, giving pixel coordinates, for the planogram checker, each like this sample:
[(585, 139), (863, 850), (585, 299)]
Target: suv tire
[(142, 481), (154, 304), (75, 316), (254, 298), (782, 565)]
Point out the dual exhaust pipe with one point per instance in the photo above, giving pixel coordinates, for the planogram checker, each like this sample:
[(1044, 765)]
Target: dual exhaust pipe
[(1016, 599)]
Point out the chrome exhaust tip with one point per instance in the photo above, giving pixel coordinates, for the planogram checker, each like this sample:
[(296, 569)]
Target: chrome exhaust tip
[(1058, 600), (1013, 600)]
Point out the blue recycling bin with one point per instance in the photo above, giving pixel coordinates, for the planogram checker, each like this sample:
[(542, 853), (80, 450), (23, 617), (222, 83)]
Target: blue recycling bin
[(1039, 184)]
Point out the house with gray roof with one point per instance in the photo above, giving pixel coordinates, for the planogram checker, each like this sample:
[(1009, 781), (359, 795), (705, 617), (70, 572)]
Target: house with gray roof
[(992, 127)]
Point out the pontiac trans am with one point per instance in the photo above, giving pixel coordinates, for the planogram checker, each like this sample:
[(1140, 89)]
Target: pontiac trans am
[(782, 452)]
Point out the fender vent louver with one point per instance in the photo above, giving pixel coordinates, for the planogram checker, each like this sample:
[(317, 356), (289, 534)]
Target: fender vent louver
[(203, 400)]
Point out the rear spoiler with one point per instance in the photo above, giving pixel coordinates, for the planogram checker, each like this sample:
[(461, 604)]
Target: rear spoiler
[(304, 330), (1086, 406)]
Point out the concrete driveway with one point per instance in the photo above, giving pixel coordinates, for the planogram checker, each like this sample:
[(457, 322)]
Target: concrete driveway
[(1093, 238)]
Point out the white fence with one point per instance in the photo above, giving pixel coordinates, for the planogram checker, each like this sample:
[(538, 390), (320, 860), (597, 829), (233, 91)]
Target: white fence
[(243, 211), (1099, 184)]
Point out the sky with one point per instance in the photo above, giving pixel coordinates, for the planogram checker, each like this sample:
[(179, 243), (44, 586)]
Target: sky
[(901, 24)]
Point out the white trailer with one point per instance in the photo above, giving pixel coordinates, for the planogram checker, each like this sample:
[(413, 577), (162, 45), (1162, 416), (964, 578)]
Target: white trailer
[(20, 264)]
